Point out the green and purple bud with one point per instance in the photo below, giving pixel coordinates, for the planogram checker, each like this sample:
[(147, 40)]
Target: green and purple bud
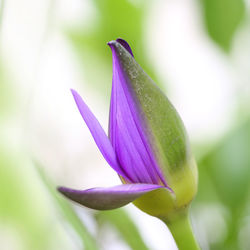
[(147, 145)]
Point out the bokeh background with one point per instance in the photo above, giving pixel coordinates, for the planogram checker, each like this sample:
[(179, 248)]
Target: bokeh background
[(197, 51)]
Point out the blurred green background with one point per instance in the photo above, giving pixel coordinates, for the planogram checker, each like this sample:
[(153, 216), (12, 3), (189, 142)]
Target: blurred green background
[(197, 51)]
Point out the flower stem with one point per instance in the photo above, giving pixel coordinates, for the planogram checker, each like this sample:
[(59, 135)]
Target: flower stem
[(182, 232)]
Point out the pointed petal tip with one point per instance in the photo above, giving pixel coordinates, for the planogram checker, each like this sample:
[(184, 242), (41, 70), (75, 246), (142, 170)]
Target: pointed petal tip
[(63, 190), (74, 93), (111, 43), (60, 189)]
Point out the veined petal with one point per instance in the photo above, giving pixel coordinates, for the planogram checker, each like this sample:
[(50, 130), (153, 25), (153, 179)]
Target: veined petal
[(108, 198), (126, 139), (112, 110), (100, 137), (126, 130)]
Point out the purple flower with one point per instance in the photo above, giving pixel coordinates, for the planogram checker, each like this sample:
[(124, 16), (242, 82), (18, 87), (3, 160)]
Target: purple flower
[(147, 144)]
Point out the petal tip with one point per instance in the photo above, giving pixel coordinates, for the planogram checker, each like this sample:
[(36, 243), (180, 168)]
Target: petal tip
[(66, 191), (111, 43), (71, 194), (74, 92), (61, 190)]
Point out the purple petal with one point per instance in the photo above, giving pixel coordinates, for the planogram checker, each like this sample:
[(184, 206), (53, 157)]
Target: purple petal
[(126, 130), (125, 45), (108, 198), (98, 134)]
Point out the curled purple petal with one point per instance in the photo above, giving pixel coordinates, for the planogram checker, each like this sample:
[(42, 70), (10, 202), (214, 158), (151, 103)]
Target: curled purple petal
[(108, 198), (98, 134)]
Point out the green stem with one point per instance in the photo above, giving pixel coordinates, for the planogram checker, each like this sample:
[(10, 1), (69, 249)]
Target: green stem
[(181, 230)]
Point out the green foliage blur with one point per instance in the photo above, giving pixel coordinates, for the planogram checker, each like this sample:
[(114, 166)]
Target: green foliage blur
[(34, 216), (114, 19), (222, 18)]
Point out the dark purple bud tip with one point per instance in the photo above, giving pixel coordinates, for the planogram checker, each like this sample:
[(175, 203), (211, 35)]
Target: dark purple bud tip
[(122, 42), (125, 45)]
